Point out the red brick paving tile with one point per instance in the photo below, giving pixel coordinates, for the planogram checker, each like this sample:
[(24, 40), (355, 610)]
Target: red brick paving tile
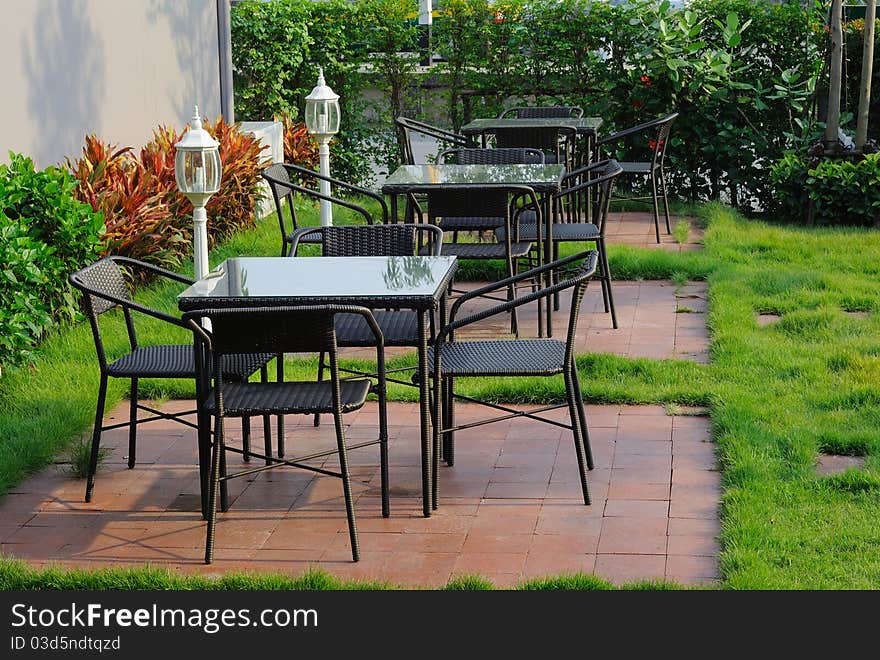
[(539, 565), (641, 476), (694, 461), (530, 489), (569, 523), (697, 546), (642, 536), (624, 568), (481, 542), (415, 568), (486, 563), (285, 537), (637, 491), (694, 527), (683, 567), (553, 544), (694, 502), (660, 462), (430, 543), (637, 508), (372, 541)]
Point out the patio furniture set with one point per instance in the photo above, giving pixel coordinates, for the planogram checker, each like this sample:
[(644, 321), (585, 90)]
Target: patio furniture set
[(535, 181)]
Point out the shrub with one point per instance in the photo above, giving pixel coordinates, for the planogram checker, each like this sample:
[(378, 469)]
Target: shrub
[(147, 218), (839, 191), (299, 146), (45, 233)]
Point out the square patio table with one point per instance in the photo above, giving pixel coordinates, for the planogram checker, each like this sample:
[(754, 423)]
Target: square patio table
[(415, 283), (587, 127), (545, 180)]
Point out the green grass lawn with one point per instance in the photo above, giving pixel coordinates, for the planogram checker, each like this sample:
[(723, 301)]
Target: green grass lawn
[(778, 394)]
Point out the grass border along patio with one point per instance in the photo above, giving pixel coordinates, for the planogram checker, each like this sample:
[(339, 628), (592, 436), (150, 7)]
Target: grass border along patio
[(779, 395)]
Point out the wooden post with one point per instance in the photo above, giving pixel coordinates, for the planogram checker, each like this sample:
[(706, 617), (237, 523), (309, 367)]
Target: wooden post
[(867, 72)]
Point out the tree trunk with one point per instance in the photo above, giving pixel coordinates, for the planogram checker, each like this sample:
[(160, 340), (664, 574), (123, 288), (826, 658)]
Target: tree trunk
[(867, 72), (830, 139)]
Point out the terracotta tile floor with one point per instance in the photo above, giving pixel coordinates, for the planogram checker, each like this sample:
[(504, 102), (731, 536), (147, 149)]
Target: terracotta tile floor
[(510, 506)]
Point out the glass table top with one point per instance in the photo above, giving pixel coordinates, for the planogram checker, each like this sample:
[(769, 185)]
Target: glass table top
[(342, 278), (581, 124), (427, 175)]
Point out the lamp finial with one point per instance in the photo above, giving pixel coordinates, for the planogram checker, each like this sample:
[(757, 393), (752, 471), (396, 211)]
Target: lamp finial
[(321, 80), (196, 120)]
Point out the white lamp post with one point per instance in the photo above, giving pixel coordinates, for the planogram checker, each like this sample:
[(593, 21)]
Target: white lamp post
[(197, 168), (322, 121)]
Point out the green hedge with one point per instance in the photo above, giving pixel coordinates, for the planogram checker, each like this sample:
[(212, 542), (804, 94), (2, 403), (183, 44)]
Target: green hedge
[(741, 73), (45, 233)]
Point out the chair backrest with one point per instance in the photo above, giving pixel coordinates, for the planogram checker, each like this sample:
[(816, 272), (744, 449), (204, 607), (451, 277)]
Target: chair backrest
[(543, 112), (279, 183), (285, 185), (105, 286), (596, 181), (556, 142), (661, 142), (578, 281), (396, 240), (509, 156), (406, 127)]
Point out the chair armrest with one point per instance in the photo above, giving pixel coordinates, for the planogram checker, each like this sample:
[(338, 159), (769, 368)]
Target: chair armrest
[(588, 269), (613, 170), (333, 200), (156, 270), (586, 169), (519, 277), (632, 130), (342, 184)]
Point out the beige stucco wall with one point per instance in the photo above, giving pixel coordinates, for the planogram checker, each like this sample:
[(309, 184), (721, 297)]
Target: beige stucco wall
[(117, 68)]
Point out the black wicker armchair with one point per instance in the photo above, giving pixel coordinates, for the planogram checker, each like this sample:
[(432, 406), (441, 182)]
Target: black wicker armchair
[(406, 127), (279, 330), (652, 136), (590, 188), (286, 180), (105, 286), (457, 208), (451, 359)]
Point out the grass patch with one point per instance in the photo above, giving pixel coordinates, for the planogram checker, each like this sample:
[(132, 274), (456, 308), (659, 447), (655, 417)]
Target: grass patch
[(681, 232)]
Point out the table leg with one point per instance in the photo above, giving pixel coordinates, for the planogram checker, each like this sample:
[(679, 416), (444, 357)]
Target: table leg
[(548, 255), (424, 414)]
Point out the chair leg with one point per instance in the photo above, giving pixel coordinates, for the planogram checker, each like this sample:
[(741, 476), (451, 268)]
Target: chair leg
[(320, 378), (655, 206), (132, 424), (582, 417), (267, 419), (448, 420), (346, 485), (665, 199), (511, 294), (246, 439), (571, 395), (383, 453), (212, 494), (606, 278), (96, 437), (279, 376), (224, 485), (556, 277)]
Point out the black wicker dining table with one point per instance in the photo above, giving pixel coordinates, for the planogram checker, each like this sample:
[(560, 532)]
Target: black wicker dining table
[(412, 283), (543, 179)]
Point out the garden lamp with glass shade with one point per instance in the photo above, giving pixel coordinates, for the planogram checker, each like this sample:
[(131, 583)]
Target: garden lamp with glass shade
[(197, 169), (322, 121)]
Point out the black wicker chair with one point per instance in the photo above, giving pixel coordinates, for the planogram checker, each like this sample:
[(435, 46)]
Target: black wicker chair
[(652, 136), (556, 142), (406, 127), (542, 112), (104, 285), (466, 208), (285, 180), (279, 330), (451, 359), (590, 185)]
